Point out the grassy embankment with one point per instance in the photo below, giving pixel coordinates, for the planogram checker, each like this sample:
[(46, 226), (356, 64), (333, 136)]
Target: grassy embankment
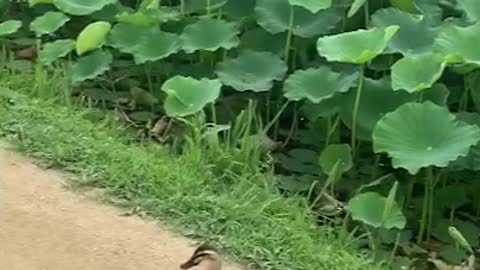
[(249, 221)]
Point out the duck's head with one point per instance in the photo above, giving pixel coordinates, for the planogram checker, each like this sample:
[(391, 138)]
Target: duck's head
[(204, 257)]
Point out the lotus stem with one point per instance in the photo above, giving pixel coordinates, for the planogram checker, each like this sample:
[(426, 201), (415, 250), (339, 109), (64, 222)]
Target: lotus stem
[(293, 126), (410, 186), (208, 7), (214, 113), (182, 7), (425, 223), (430, 202), (331, 129), (452, 216), (288, 42), (356, 106), (375, 167), (367, 13)]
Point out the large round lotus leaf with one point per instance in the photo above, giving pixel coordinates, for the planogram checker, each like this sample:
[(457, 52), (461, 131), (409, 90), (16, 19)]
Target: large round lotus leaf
[(313, 6), (108, 13), (167, 14), (419, 135), (121, 36), (32, 3), (258, 39), (416, 73), (294, 183), (356, 5), (92, 37), (299, 160), (410, 26), (92, 65), (252, 70), (431, 10), (274, 16), (468, 229), (472, 160), (139, 18), (155, 46), (336, 158), (471, 9), (9, 27), (81, 7), (357, 47), (48, 23), (317, 84), (437, 94), (449, 197), (197, 70), (324, 109), (376, 100), (239, 9), (149, 17), (459, 44), (143, 97), (54, 50), (200, 5), (370, 208), (186, 95), (210, 35), (405, 5)]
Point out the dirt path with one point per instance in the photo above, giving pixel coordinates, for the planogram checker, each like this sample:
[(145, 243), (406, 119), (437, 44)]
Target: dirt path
[(45, 227)]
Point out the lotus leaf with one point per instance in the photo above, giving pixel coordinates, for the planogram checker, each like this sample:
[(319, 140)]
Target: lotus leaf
[(210, 35), (357, 47), (419, 135), (187, 96), (252, 70), (48, 23)]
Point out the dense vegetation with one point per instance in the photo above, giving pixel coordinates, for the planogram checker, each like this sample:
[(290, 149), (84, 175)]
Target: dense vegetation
[(368, 109)]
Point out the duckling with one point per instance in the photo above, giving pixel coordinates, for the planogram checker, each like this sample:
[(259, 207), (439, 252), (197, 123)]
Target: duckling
[(203, 258)]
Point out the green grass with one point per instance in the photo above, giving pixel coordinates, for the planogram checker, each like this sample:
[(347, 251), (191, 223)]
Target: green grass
[(248, 221)]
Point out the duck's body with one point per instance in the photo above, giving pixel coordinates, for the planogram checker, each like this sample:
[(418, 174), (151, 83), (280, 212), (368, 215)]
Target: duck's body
[(203, 258)]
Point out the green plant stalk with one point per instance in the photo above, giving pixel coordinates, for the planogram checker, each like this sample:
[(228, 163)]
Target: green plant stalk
[(38, 70), (431, 198), (375, 167), (374, 242), (148, 73), (394, 251), (331, 130), (209, 7), (268, 106), (366, 9), (182, 7), (426, 206), (4, 57), (465, 96), (293, 126), (452, 216), (356, 107), (275, 118), (214, 112), (66, 87), (478, 206), (343, 233), (288, 43), (329, 127), (409, 192)]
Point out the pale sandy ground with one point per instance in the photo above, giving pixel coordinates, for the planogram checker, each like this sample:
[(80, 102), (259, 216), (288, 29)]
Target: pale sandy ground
[(45, 227)]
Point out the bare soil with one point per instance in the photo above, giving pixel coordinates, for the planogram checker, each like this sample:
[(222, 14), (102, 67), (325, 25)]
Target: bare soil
[(43, 226)]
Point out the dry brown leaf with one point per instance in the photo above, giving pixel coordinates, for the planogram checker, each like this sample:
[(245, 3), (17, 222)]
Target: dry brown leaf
[(441, 265)]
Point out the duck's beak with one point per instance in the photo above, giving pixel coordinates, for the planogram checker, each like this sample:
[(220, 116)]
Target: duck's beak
[(189, 263)]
